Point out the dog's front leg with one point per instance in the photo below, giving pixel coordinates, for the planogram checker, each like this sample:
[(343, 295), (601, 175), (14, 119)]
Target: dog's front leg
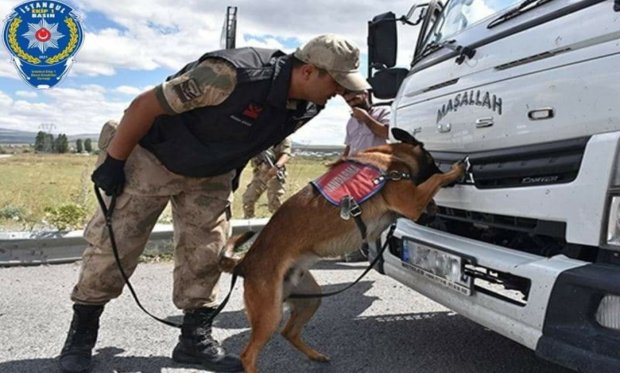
[(410, 200)]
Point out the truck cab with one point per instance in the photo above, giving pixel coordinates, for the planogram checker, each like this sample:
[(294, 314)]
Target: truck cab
[(528, 244)]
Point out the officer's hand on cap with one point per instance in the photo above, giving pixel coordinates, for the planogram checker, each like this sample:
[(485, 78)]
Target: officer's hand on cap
[(110, 176)]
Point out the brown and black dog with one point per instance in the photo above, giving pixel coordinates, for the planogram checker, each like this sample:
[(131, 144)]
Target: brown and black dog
[(307, 228)]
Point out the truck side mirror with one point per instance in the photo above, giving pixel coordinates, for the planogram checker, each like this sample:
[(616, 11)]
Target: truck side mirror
[(382, 40), (385, 83)]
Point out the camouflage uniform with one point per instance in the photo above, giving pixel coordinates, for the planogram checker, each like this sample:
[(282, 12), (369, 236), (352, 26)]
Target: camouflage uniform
[(261, 181), (200, 208)]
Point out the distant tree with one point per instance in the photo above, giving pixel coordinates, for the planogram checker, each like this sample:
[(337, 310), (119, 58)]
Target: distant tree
[(78, 146), (88, 146), (61, 144), (39, 141), (44, 142)]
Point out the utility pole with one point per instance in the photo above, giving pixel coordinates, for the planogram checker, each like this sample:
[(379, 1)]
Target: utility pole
[(229, 31), (47, 127)]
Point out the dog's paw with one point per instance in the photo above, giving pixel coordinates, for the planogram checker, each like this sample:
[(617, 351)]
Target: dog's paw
[(317, 356), (456, 174), (460, 167)]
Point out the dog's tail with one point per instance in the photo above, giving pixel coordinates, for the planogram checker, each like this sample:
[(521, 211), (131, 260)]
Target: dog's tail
[(229, 258)]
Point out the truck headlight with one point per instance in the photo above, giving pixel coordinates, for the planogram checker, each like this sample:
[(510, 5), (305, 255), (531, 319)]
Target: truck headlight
[(608, 313), (613, 222)]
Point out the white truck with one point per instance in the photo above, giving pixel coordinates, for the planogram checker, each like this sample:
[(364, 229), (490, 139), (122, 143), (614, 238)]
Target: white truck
[(528, 245)]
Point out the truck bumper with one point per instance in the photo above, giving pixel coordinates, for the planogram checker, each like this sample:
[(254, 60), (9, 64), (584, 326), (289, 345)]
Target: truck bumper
[(557, 320), (571, 335)]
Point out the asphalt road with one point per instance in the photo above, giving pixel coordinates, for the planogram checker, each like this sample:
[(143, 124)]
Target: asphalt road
[(377, 326)]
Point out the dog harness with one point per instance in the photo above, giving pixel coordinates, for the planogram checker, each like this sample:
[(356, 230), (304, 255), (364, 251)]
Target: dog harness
[(350, 178)]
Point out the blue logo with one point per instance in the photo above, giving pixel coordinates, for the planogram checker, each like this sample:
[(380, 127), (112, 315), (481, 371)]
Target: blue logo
[(43, 37)]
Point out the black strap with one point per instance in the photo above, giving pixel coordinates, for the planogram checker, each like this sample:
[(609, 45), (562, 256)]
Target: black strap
[(362, 227), (372, 264), (219, 308), (350, 208), (107, 212)]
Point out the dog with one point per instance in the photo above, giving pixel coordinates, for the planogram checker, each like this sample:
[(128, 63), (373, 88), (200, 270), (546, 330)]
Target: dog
[(307, 228)]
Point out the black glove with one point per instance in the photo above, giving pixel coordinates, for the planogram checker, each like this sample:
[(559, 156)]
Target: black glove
[(110, 176)]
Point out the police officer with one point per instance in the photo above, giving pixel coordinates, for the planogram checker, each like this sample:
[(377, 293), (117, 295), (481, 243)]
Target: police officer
[(183, 141), (268, 174)]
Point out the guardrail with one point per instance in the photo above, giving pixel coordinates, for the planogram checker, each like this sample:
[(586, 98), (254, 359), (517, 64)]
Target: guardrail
[(36, 248)]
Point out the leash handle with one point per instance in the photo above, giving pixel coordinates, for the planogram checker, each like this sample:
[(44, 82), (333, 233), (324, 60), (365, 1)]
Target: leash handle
[(372, 264), (107, 212)]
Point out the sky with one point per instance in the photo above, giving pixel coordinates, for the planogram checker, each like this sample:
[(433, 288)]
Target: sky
[(131, 46)]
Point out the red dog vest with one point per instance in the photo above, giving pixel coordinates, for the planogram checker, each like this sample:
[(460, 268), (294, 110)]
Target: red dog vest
[(360, 181)]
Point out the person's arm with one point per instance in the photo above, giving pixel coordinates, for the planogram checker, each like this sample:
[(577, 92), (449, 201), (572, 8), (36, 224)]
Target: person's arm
[(282, 160), (207, 84), (136, 122), (138, 118), (378, 128), (284, 149)]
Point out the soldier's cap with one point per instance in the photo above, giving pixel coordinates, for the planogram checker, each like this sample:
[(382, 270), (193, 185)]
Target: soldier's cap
[(338, 56)]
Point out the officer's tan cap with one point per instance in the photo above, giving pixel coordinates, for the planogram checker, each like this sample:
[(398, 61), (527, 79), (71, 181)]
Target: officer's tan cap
[(339, 56)]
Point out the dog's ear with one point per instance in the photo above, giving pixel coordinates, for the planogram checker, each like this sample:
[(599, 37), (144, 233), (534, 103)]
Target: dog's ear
[(404, 136)]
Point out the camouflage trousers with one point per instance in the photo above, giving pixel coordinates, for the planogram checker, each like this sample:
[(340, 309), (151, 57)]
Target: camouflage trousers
[(200, 212), (261, 182)]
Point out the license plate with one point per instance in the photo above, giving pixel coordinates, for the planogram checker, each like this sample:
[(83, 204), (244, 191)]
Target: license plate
[(437, 265)]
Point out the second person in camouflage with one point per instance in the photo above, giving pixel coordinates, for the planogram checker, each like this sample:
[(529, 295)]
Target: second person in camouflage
[(268, 174)]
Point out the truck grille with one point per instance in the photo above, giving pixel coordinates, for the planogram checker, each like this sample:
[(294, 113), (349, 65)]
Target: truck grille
[(540, 164), (512, 223)]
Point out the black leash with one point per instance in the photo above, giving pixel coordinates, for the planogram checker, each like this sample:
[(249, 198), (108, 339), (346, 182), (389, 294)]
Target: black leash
[(372, 264), (355, 212), (107, 213)]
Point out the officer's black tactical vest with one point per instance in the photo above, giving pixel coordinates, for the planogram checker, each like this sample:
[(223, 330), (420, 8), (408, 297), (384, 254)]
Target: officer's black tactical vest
[(212, 140)]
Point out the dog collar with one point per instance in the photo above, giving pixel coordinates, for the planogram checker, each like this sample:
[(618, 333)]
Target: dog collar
[(392, 176)]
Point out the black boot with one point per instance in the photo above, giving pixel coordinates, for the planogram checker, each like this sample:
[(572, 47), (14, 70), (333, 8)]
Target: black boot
[(76, 354), (197, 346)]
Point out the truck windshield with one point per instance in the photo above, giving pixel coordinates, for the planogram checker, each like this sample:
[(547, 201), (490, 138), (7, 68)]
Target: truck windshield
[(459, 15)]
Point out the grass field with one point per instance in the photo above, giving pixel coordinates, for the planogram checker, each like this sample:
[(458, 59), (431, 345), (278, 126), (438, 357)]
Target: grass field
[(35, 187)]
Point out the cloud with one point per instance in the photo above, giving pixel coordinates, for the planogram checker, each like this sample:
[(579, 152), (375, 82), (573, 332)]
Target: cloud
[(7, 68), (127, 90), (5, 101), (167, 33), (26, 94), (71, 110), (145, 35), (154, 34)]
